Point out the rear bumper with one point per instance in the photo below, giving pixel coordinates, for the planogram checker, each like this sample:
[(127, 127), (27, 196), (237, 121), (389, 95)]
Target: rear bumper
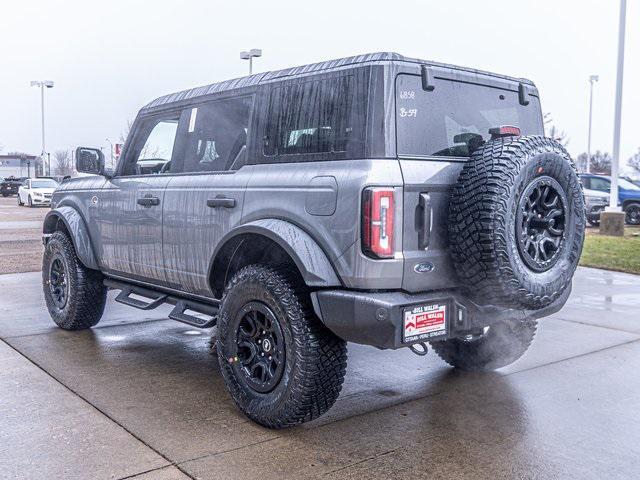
[(376, 319)]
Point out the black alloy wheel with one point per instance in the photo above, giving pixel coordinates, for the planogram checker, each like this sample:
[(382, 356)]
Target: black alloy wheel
[(58, 282), (540, 227), (260, 347)]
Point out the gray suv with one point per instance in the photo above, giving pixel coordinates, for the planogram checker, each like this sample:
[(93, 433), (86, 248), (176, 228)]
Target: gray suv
[(378, 199)]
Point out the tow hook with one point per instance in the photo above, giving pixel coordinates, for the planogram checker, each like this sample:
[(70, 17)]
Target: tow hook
[(422, 351)]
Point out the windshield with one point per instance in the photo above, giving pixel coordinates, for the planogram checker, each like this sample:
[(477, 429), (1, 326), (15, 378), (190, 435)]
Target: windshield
[(455, 118), (627, 185), (44, 183)]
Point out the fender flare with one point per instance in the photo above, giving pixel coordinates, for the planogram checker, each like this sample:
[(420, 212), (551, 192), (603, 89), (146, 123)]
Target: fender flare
[(311, 261), (78, 231)]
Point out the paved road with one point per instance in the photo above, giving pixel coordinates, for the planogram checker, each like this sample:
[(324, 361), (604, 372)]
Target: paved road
[(141, 397)]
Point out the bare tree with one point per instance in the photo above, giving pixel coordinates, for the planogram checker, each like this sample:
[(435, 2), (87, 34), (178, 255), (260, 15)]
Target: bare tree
[(600, 162), (554, 132), (64, 163), (581, 162), (634, 162), (125, 133)]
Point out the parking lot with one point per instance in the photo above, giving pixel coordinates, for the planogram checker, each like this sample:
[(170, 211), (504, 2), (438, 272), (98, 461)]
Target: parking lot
[(20, 236), (140, 396)]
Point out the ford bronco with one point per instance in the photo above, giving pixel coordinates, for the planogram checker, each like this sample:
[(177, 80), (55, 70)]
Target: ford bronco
[(378, 199)]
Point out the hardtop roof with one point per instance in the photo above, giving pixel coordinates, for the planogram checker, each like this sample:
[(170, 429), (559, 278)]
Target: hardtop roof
[(325, 66)]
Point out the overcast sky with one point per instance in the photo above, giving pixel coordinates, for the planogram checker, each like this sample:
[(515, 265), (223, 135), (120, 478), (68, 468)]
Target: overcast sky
[(108, 59)]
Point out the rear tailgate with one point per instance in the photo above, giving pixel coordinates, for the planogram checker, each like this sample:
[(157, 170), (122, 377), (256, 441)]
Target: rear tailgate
[(435, 132), (427, 188)]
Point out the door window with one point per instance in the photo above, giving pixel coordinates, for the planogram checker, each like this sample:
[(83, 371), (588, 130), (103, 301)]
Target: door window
[(154, 147), (600, 184), (216, 139), (312, 117)]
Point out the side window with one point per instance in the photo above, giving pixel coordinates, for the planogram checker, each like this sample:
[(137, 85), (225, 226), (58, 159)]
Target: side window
[(600, 184), (586, 182), (217, 135), (153, 148), (311, 117)]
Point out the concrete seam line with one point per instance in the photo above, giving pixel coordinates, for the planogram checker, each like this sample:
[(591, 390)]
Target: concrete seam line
[(594, 325), (227, 451), (610, 347), (98, 328), (171, 463), (146, 471), (364, 460)]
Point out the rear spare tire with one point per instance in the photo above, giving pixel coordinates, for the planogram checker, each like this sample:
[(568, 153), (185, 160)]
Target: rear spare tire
[(516, 222)]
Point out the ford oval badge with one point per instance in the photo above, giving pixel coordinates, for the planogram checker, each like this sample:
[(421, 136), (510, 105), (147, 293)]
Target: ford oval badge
[(424, 267)]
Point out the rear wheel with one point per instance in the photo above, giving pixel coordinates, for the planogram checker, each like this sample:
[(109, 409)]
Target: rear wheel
[(633, 213), (75, 295), (492, 347), (281, 366)]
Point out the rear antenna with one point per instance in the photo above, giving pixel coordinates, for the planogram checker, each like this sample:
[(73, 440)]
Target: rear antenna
[(427, 79), (522, 94)]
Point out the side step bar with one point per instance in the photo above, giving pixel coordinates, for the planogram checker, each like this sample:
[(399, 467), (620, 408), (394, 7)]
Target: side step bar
[(157, 298)]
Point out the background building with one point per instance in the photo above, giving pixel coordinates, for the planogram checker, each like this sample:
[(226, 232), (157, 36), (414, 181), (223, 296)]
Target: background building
[(19, 165)]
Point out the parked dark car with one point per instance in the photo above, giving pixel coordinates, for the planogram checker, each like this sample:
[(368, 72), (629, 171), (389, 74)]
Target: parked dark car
[(10, 185), (628, 194), (379, 199)]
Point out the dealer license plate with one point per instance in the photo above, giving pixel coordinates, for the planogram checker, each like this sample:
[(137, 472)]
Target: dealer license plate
[(423, 322)]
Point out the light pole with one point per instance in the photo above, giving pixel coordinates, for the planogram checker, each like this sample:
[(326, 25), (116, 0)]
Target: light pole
[(250, 55), (613, 201), (42, 84), (592, 80), (111, 145)]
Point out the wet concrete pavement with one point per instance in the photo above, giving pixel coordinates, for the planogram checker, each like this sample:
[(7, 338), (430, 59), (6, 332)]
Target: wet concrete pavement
[(141, 397)]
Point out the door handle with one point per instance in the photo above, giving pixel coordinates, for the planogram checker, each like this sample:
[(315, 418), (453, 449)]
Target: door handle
[(424, 234), (220, 201), (148, 201)]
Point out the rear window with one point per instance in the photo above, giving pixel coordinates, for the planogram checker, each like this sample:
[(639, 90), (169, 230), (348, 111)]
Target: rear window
[(455, 117), (315, 117)]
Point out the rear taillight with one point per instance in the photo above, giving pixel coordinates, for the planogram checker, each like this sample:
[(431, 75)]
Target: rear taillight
[(377, 222)]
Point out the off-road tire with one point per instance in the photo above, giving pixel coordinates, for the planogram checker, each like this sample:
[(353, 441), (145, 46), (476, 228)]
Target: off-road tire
[(315, 359), (86, 295), (502, 344), (483, 214), (632, 212)]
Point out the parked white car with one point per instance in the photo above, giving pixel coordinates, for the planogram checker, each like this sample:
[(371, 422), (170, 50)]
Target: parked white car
[(36, 191)]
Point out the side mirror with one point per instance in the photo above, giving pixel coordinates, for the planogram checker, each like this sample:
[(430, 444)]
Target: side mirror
[(89, 160)]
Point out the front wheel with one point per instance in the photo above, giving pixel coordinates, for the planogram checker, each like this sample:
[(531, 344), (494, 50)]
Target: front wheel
[(75, 295), (281, 366), (30, 202), (633, 214), (494, 347), (20, 202)]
